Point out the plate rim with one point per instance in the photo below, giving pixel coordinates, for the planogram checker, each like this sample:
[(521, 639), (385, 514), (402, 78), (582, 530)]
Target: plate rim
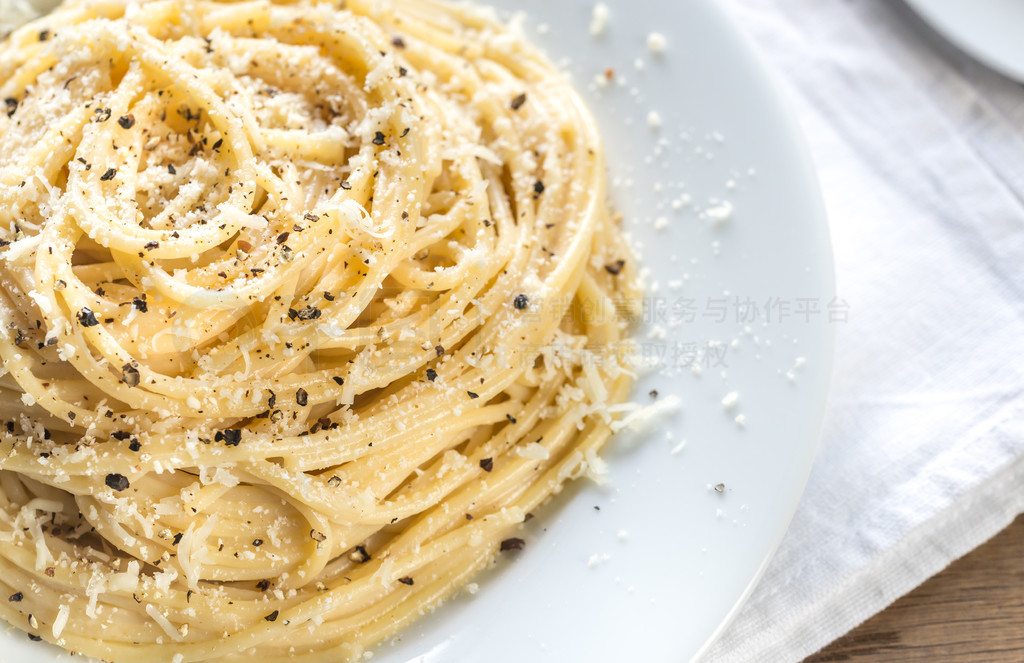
[(781, 97), (937, 21)]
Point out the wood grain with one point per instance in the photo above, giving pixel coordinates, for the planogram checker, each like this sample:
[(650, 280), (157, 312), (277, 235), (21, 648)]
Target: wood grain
[(973, 612)]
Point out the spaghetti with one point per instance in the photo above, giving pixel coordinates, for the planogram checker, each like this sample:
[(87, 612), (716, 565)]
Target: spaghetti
[(304, 310)]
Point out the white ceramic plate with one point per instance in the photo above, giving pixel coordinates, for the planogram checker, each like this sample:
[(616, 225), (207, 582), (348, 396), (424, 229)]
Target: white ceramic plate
[(651, 566), (991, 31)]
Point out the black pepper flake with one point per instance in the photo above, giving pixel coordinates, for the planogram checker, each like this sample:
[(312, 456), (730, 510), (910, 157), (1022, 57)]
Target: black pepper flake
[(102, 114), (615, 267), (177, 538), (15, 597), (108, 175), (431, 374), (87, 318), (257, 542), (338, 381), (720, 488), (171, 170), (521, 302), (218, 143), (345, 185), (407, 581), (510, 418), (406, 132), (328, 296), (151, 245), (378, 138), (140, 304), (126, 121), (397, 42), (118, 482), (12, 105), (134, 445), (34, 638), (231, 436), (486, 464), (518, 102), (538, 187), (360, 556), (319, 537), (653, 393), (473, 394), (44, 35), (512, 544), (301, 397), (439, 349), (263, 585), (309, 313), (130, 375), (272, 399), (272, 617)]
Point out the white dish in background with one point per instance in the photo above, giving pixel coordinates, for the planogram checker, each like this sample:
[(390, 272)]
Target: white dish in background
[(991, 31), (666, 561)]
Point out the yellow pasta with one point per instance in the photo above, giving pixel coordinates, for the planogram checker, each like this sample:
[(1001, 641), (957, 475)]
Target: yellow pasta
[(304, 307)]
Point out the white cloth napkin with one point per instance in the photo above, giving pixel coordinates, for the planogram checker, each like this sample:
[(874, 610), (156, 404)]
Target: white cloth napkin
[(921, 158)]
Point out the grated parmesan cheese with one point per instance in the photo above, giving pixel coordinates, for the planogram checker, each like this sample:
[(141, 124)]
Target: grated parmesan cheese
[(656, 43), (60, 621), (639, 418), (535, 451), (720, 213), (192, 550), (163, 622), (597, 468), (599, 19)]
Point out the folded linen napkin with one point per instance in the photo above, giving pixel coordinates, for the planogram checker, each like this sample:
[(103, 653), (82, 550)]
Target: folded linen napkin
[(921, 158)]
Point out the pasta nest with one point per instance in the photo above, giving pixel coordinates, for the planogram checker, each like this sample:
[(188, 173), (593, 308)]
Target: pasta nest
[(305, 309)]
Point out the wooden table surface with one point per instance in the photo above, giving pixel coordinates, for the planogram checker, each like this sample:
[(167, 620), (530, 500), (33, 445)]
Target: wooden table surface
[(973, 612)]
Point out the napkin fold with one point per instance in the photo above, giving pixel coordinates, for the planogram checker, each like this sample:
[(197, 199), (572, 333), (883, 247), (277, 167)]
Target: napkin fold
[(920, 152)]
